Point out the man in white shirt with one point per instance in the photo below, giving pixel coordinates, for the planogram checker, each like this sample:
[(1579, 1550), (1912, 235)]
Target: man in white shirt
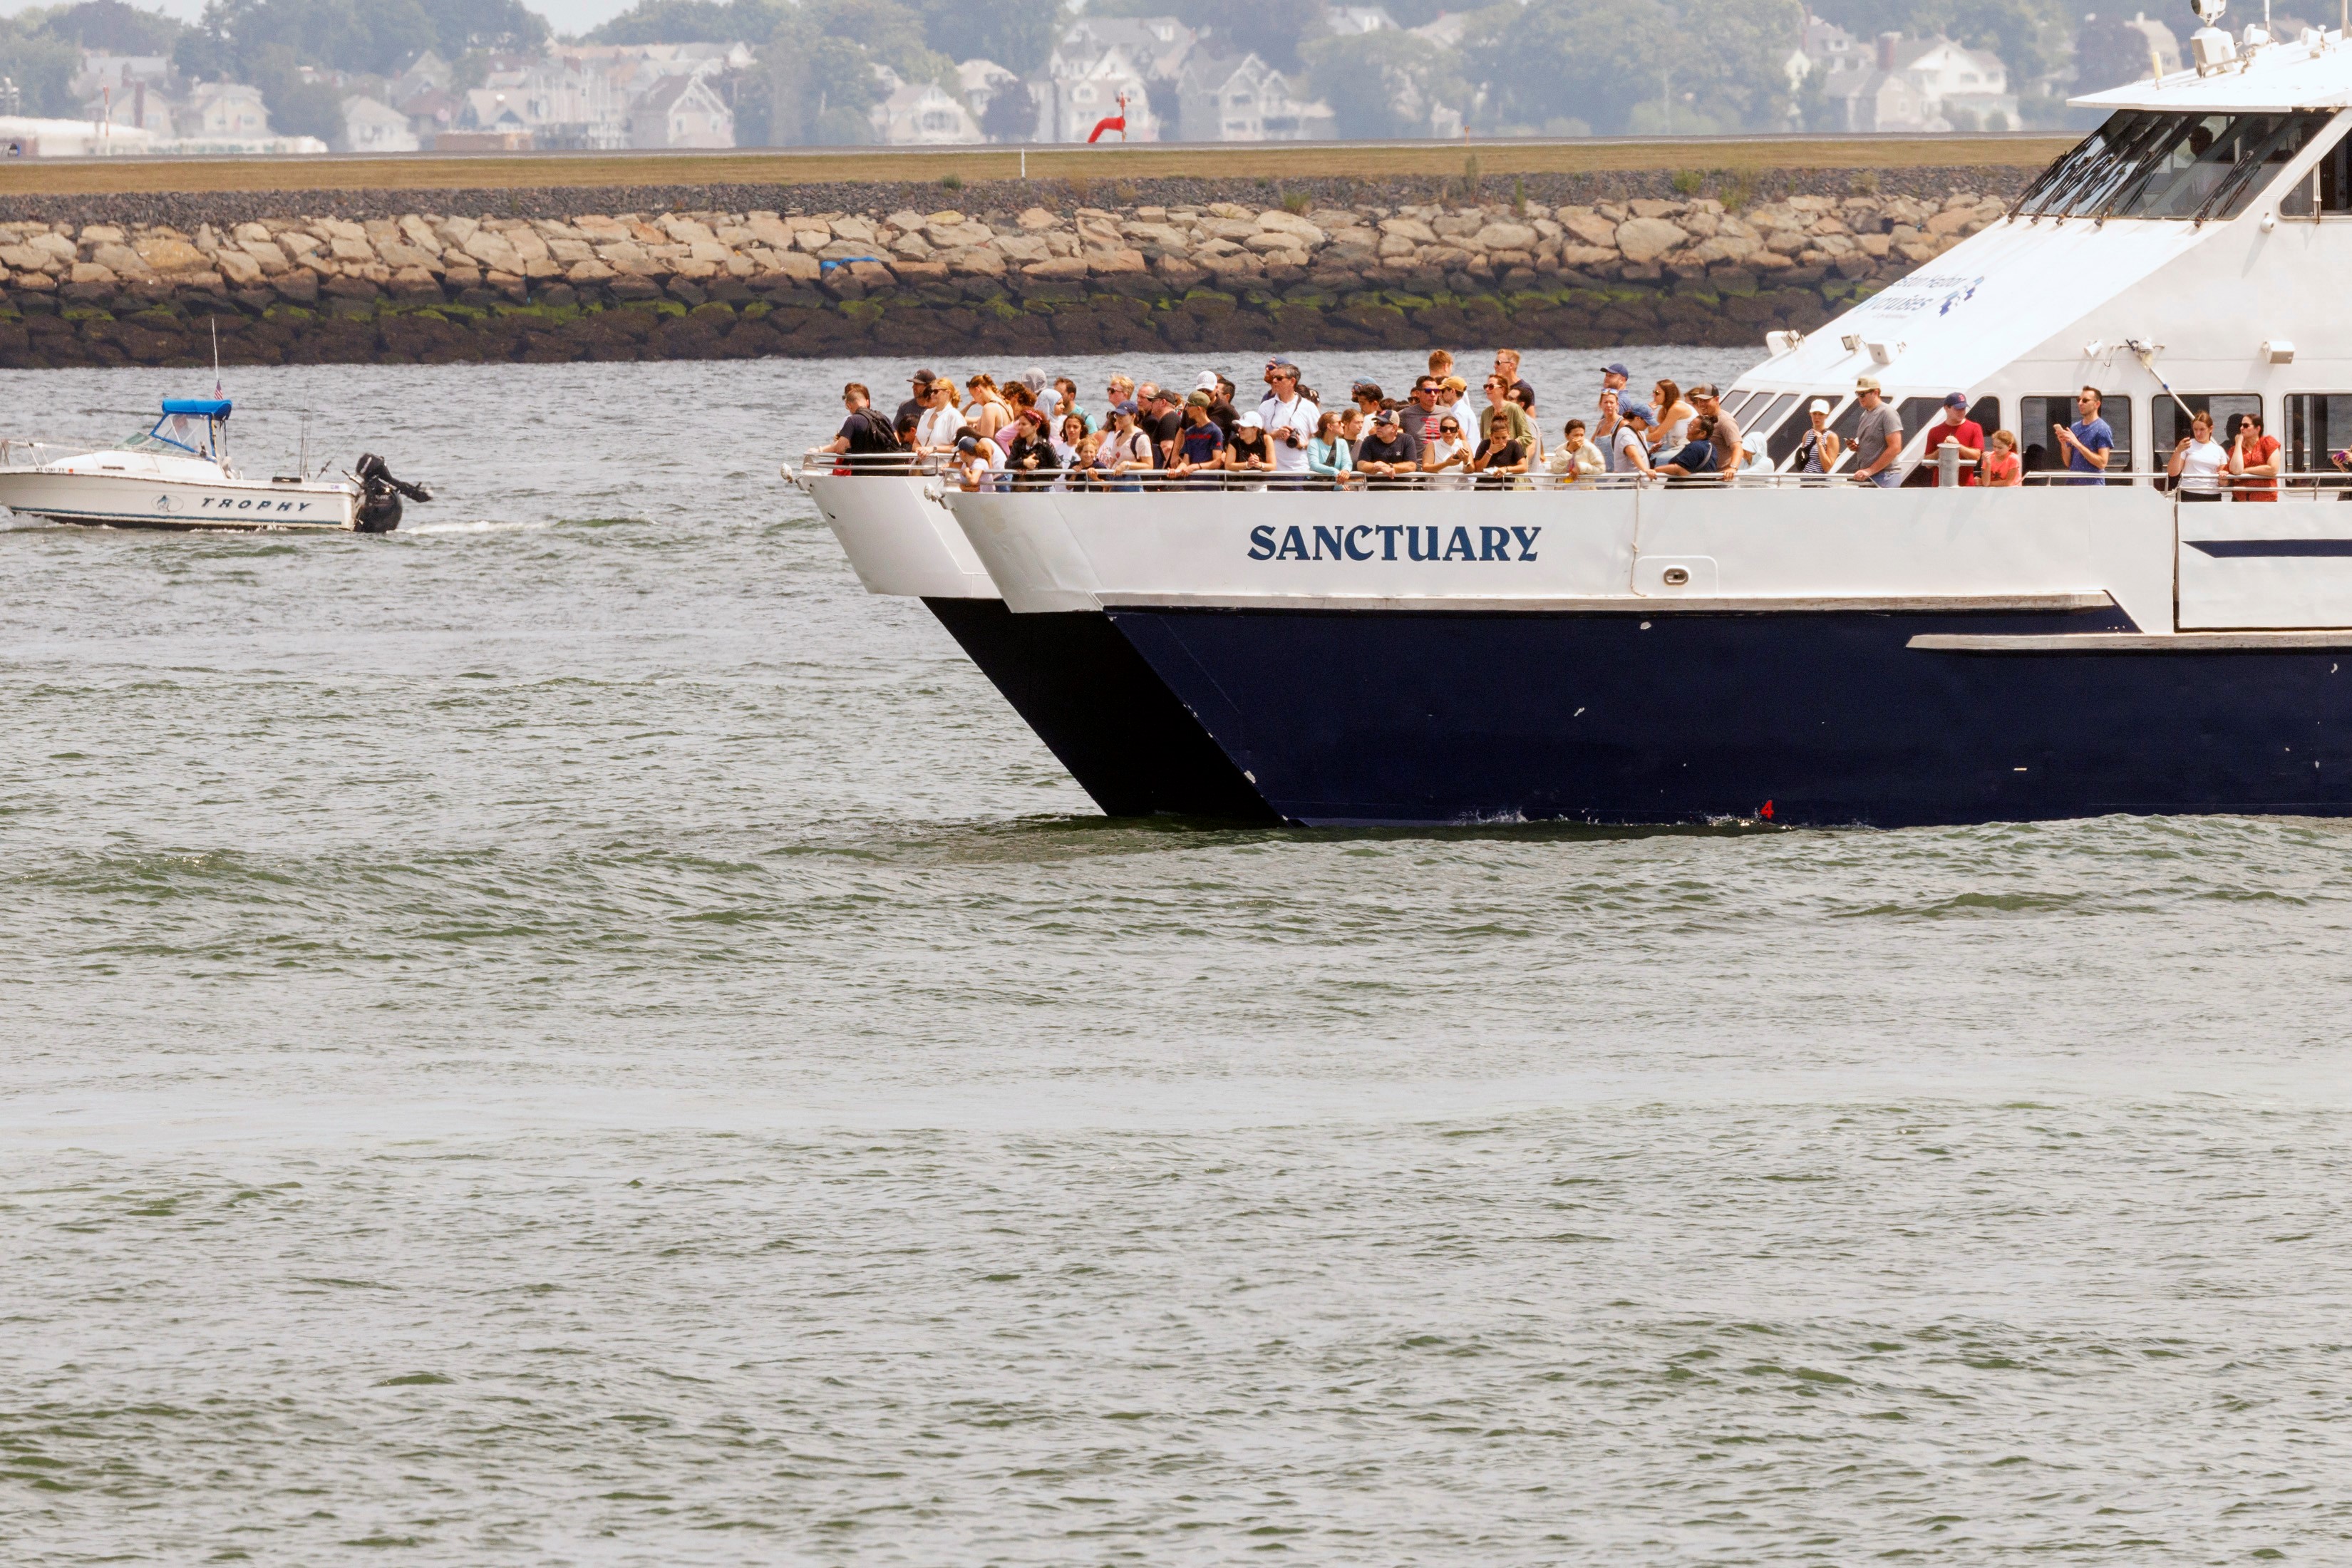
[(1266, 402), (1289, 418)]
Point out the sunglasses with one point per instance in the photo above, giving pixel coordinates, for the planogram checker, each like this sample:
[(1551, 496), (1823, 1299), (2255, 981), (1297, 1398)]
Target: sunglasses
[(1450, 426)]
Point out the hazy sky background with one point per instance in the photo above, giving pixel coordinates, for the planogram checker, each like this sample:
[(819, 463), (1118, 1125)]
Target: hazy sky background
[(563, 15)]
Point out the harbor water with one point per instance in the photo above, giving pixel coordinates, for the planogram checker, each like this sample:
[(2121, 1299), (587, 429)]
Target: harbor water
[(572, 1034)]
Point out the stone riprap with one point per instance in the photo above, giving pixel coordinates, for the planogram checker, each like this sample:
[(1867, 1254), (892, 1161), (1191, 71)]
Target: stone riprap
[(920, 277)]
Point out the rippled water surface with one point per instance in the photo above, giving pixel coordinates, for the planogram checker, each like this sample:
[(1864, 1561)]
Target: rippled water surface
[(571, 1033)]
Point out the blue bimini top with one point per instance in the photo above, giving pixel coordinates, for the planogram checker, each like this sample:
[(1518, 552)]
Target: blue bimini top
[(208, 407)]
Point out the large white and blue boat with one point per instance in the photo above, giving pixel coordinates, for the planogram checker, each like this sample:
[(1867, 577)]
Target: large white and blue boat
[(1826, 652)]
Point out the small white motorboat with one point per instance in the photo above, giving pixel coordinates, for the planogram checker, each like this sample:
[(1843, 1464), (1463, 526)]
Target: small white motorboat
[(176, 475)]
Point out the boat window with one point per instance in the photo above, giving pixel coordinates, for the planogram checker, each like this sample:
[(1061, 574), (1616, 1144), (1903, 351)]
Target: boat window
[(1736, 403), (1768, 411), (2326, 191), (2142, 164), (2170, 424), (2042, 454), (1917, 414), (173, 433), (1784, 441), (2319, 427)]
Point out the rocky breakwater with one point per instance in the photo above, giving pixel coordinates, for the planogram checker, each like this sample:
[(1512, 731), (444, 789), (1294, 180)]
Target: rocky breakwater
[(706, 284)]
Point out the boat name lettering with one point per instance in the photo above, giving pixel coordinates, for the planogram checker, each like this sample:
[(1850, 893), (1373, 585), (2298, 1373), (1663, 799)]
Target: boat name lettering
[(247, 503), (1922, 292), (1378, 541)]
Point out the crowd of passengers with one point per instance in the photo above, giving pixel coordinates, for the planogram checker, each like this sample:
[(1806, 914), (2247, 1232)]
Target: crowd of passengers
[(1033, 432)]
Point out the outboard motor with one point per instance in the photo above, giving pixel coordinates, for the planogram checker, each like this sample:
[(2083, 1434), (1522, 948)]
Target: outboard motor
[(380, 495)]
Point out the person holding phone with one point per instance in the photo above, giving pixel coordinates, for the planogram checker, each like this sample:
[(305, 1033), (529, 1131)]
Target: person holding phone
[(2253, 461), (1819, 452), (2342, 460), (2087, 443), (2197, 461)]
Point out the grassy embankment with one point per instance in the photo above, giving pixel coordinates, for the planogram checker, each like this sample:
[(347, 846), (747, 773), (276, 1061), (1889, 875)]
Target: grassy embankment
[(1725, 156)]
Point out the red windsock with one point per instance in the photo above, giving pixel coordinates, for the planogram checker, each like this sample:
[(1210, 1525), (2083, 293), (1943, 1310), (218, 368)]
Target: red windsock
[(1114, 122)]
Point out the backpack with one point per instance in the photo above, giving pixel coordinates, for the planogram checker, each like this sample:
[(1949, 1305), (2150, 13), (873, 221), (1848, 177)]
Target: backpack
[(877, 437)]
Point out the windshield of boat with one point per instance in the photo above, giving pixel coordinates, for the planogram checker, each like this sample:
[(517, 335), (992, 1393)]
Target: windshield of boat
[(2142, 164), (174, 435)]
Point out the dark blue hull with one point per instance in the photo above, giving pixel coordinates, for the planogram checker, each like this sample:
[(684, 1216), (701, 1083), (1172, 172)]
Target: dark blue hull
[(1425, 717), (1101, 711)]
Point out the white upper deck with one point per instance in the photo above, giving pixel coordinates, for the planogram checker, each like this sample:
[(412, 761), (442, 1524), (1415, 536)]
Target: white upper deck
[(2310, 72), (2194, 245)]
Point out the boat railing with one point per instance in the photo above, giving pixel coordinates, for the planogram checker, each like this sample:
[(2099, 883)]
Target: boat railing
[(17, 452), (943, 475)]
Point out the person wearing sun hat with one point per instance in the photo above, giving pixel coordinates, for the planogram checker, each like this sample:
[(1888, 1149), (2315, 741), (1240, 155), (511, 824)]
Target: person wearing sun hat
[(1248, 451)]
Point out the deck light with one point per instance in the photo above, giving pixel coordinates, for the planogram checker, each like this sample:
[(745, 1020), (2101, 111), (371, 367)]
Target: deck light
[(1781, 342), (1851, 340), (2279, 351), (1883, 353)]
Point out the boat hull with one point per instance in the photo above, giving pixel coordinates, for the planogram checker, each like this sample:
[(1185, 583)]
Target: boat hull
[(1102, 713), (1426, 716), (1071, 677), (132, 500)]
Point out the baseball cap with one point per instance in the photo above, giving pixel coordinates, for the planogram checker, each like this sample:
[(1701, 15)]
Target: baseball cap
[(1208, 382), (1867, 383), (1636, 411), (1455, 384), (1616, 370), (1198, 400), (1819, 406), (926, 375), (968, 443), (1122, 408), (1384, 416), (1956, 400), (1248, 422)]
